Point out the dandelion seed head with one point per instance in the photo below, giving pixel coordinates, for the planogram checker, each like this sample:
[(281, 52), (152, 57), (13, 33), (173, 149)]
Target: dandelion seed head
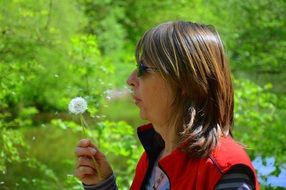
[(77, 105)]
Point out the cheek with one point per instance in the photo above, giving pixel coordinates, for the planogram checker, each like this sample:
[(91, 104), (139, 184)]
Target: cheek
[(159, 97), (165, 99), (149, 95), (166, 94)]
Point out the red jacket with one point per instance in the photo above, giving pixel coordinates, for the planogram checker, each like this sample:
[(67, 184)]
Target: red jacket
[(185, 173)]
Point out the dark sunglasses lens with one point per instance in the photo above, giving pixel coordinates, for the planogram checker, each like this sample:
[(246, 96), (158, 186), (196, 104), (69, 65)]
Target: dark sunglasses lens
[(140, 70)]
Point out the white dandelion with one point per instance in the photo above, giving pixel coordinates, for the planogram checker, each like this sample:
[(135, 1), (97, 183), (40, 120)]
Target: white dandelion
[(78, 105)]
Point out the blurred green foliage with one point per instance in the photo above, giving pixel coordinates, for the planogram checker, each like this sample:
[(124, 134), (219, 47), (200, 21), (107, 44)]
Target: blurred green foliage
[(52, 51)]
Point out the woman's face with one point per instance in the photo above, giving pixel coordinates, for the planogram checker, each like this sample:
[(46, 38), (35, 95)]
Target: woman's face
[(152, 94)]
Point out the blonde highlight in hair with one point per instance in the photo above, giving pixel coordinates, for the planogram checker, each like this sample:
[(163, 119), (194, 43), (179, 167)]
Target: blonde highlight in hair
[(191, 58)]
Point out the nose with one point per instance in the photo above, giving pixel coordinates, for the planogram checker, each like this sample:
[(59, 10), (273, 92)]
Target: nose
[(132, 80)]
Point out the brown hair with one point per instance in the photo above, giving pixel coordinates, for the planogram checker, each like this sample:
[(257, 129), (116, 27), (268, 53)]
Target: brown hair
[(190, 56)]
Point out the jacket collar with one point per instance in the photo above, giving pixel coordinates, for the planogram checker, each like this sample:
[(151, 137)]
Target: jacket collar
[(150, 140), (172, 165)]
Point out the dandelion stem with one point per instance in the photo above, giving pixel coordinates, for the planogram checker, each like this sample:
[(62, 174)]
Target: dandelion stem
[(96, 167), (84, 125)]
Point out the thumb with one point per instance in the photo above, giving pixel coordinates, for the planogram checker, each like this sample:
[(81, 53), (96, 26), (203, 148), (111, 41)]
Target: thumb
[(94, 151), (102, 163)]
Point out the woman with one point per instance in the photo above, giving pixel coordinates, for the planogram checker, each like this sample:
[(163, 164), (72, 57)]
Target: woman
[(183, 87)]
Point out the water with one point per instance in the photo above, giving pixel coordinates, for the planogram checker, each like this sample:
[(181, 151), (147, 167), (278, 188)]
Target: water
[(266, 168)]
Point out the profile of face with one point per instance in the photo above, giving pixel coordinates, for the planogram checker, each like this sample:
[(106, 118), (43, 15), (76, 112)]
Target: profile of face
[(151, 93), (183, 77), (183, 81)]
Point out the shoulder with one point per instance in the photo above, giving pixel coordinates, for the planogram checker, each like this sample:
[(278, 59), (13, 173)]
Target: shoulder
[(238, 177), (227, 154)]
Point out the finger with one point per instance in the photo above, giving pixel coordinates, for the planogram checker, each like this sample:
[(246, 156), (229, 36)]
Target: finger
[(84, 143), (85, 161), (91, 151), (87, 151), (82, 171)]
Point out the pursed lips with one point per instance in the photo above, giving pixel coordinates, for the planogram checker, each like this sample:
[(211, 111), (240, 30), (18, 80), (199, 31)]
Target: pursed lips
[(136, 100)]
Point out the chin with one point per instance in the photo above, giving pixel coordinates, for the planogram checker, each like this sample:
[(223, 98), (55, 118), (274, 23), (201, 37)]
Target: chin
[(143, 115)]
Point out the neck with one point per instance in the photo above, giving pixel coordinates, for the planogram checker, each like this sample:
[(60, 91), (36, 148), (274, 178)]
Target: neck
[(168, 133)]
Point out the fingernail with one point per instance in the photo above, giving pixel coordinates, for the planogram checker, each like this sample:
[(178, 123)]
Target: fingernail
[(86, 141), (92, 150)]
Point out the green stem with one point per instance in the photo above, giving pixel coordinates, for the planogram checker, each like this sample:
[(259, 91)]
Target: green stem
[(84, 125)]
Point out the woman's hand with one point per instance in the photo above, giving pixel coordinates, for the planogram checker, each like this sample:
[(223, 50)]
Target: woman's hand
[(91, 171)]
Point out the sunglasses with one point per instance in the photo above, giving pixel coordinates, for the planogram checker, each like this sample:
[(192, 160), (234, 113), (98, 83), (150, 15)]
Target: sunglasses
[(143, 69)]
